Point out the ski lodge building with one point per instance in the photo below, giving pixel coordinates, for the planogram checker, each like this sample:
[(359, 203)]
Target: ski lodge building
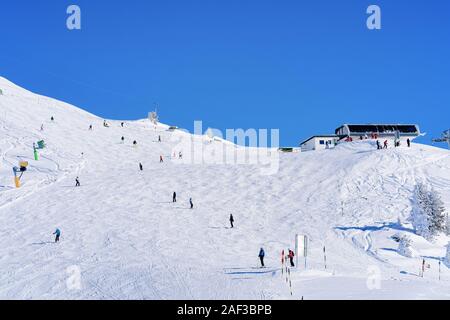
[(352, 132), (320, 142)]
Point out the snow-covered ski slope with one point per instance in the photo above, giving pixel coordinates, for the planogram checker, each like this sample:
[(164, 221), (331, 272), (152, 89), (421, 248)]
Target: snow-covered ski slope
[(121, 230)]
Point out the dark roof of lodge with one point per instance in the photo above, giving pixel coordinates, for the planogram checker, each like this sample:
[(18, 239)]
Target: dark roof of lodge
[(381, 128), (320, 136)]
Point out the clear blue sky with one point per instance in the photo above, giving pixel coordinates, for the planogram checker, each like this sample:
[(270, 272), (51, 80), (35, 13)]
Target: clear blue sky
[(301, 66)]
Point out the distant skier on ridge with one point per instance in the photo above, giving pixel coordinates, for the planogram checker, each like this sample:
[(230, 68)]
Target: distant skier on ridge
[(174, 197), (77, 182), (191, 203), (232, 221)]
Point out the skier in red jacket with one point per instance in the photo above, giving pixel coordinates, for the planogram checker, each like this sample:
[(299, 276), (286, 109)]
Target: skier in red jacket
[(291, 257)]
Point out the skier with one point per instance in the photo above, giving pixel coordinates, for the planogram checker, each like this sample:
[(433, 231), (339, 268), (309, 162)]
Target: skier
[(58, 234), (135, 143), (174, 198), (261, 257), (291, 257), (90, 127), (180, 155), (409, 143), (105, 124), (423, 267), (231, 221), (161, 160), (52, 119), (122, 124), (191, 203), (141, 167), (123, 139), (42, 127), (378, 145), (77, 182), (159, 138), (385, 144)]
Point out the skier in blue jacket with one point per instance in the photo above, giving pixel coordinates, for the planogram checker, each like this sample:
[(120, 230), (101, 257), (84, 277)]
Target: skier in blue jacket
[(58, 234), (261, 257)]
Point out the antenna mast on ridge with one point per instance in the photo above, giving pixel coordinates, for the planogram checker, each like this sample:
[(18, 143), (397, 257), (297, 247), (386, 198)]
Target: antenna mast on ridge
[(153, 116)]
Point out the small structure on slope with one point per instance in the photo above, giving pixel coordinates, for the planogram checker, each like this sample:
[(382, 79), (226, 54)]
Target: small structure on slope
[(288, 149), (319, 142)]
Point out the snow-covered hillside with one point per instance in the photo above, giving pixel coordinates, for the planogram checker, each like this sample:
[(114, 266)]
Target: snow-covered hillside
[(129, 241)]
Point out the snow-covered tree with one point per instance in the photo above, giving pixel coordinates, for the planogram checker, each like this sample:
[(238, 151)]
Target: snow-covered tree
[(447, 257), (448, 225), (438, 215), (428, 215), (404, 247), (419, 216)]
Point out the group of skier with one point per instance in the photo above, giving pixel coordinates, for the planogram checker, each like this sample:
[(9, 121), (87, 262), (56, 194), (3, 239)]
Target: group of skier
[(290, 256), (262, 253), (396, 144), (385, 145), (174, 199)]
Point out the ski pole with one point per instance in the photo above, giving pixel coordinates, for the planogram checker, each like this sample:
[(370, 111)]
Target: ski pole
[(290, 281), (439, 270)]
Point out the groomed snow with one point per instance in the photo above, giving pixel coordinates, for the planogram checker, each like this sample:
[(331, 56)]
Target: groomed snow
[(128, 239)]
